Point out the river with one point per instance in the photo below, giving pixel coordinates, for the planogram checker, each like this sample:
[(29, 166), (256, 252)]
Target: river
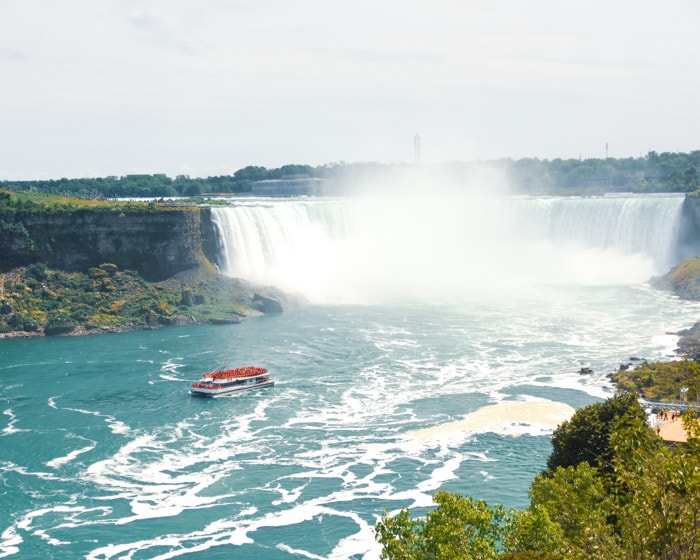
[(416, 324)]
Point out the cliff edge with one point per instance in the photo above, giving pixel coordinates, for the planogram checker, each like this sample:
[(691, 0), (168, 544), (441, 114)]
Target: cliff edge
[(72, 266), (157, 243)]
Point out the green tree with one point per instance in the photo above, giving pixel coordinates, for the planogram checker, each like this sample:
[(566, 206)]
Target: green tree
[(251, 173), (576, 500), (657, 493), (460, 528), (533, 531), (636, 499), (194, 189), (585, 437)]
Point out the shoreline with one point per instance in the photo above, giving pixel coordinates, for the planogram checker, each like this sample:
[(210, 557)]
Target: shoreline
[(117, 329)]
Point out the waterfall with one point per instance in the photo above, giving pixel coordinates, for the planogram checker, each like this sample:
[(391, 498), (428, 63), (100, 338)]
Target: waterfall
[(631, 224), (376, 247)]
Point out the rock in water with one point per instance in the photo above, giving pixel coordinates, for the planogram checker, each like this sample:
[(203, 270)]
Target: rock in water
[(267, 304)]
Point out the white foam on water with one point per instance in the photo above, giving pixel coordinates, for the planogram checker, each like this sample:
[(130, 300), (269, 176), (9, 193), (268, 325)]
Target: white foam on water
[(171, 366), (361, 543), (486, 475), (8, 466), (157, 480), (10, 540), (596, 385), (154, 477), (441, 474), (324, 463), (70, 515), (219, 533), (299, 552), (127, 550), (49, 539), (116, 426), (288, 496), (10, 428), (60, 461), (161, 479), (534, 417)]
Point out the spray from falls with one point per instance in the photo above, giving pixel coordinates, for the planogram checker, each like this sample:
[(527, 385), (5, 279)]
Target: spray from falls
[(374, 248)]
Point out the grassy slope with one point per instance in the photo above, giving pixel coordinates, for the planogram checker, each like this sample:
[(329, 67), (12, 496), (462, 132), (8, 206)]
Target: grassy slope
[(661, 380)]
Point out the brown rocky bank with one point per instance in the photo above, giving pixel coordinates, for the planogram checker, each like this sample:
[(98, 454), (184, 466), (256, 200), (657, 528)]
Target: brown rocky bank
[(684, 281)]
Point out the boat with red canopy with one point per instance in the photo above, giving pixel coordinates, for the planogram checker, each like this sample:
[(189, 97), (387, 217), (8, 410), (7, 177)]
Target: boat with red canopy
[(227, 381)]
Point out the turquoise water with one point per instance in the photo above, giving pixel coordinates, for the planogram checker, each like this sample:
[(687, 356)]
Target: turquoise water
[(105, 455)]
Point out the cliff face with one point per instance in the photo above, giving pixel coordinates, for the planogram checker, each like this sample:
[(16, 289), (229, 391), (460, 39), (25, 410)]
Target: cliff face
[(689, 234), (158, 244)]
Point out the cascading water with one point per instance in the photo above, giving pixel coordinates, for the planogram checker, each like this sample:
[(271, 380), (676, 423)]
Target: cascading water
[(374, 248)]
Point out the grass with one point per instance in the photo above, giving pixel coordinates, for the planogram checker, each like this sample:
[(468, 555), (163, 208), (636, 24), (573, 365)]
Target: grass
[(38, 201)]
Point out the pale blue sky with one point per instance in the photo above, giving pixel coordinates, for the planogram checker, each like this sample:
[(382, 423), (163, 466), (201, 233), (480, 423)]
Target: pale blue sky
[(205, 87)]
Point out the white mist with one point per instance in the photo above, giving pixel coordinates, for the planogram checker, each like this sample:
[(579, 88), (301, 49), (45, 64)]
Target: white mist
[(419, 243)]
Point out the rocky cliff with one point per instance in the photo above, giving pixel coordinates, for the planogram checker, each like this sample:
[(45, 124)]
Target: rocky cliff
[(689, 234), (156, 242)]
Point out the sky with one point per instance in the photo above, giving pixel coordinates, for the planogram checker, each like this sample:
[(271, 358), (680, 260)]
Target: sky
[(91, 88)]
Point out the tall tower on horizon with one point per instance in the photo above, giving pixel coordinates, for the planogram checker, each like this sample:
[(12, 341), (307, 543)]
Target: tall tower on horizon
[(416, 149)]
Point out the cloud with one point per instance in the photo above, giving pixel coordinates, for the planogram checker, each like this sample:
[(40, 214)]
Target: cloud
[(217, 83), (12, 55), (145, 17), (380, 57)]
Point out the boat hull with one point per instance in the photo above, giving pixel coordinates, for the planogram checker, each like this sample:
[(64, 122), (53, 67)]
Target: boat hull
[(224, 390)]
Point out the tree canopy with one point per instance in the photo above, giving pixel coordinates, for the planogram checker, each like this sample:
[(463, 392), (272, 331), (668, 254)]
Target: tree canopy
[(656, 172), (585, 437), (629, 497)]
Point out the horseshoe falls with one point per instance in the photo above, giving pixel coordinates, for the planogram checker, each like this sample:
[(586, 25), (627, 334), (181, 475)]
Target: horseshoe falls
[(440, 345), (426, 247)]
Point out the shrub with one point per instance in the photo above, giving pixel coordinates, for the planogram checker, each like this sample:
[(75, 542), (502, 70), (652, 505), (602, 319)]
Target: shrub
[(59, 323), (37, 271), (109, 268)]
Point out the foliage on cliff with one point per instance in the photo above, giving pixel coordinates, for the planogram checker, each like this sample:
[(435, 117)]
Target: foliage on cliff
[(642, 501), (14, 206), (661, 380), (34, 200), (35, 300)]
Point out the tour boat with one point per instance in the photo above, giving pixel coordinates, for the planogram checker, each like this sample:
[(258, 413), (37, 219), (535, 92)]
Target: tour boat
[(227, 381)]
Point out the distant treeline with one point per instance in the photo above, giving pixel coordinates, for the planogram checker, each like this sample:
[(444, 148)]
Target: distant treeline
[(159, 185), (665, 172)]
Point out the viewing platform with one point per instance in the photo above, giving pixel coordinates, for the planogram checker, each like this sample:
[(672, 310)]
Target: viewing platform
[(668, 424)]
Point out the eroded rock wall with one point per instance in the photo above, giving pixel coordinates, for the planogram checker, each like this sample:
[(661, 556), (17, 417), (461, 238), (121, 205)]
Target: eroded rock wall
[(156, 243)]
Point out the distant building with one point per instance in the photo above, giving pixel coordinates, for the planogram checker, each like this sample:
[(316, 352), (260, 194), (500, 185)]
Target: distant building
[(289, 185)]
